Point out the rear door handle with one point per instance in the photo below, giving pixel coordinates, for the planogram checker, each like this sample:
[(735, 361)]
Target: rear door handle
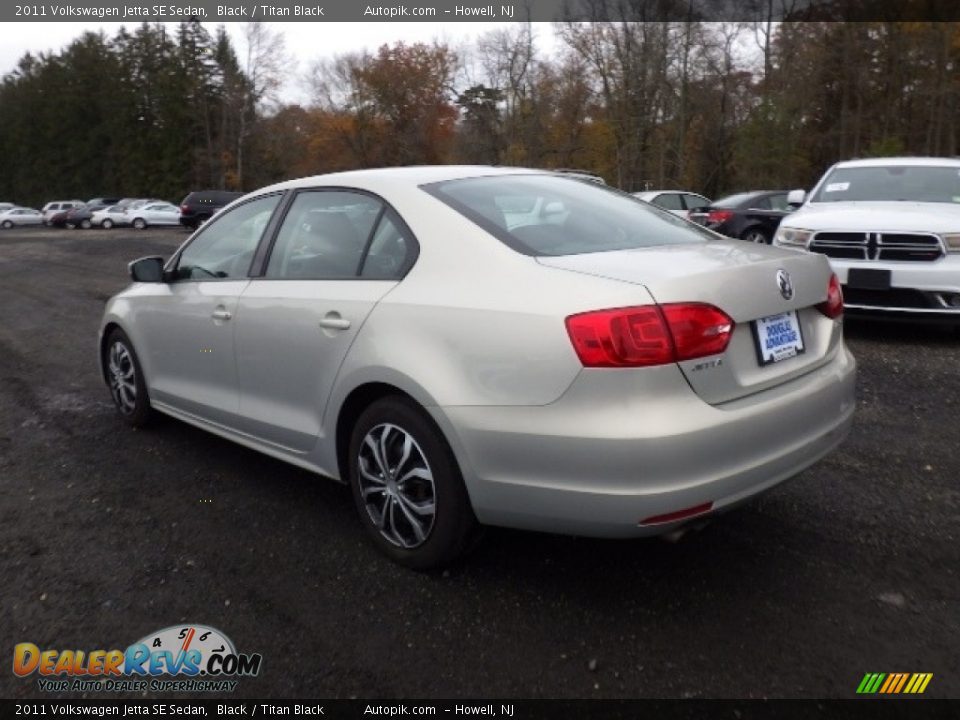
[(221, 314), (333, 321)]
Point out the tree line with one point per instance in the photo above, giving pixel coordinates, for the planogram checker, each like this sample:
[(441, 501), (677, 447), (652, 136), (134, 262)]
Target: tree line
[(708, 107)]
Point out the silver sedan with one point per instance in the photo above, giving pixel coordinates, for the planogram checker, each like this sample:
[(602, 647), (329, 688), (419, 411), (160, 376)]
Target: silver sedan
[(488, 346)]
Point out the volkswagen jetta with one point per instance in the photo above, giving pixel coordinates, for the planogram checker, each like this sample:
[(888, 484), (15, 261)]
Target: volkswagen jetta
[(484, 346)]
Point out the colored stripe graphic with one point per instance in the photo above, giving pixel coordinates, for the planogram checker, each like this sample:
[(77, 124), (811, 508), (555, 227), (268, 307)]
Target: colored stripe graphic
[(926, 681), (894, 683)]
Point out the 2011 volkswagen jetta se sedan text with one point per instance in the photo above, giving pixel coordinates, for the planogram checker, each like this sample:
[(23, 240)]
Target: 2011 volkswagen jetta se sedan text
[(475, 346)]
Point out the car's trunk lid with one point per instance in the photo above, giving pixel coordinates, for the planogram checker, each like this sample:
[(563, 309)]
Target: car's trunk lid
[(742, 280)]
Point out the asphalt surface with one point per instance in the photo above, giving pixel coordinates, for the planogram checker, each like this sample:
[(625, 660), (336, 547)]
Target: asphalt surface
[(108, 534)]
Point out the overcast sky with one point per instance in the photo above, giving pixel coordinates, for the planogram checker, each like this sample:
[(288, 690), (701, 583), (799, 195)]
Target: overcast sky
[(306, 41)]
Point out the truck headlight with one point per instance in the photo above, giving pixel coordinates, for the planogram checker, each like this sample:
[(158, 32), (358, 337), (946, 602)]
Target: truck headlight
[(952, 242), (792, 238)]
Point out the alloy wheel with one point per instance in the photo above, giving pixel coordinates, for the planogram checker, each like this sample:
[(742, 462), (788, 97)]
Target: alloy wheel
[(397, 485), (122, 377)]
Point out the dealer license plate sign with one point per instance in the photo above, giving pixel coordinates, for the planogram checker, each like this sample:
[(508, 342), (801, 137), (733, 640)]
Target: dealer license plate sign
[(778, 337)]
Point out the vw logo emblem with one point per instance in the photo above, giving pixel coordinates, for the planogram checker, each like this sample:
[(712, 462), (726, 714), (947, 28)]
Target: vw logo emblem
[(785, 284)]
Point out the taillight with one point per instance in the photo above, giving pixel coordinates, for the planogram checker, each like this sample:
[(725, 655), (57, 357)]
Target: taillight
[(698, 330), (184, 208), (719, 216), (832, 307), (649, 334)]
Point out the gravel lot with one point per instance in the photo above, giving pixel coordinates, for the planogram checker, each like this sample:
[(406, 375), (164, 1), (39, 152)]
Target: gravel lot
[(107, 534)]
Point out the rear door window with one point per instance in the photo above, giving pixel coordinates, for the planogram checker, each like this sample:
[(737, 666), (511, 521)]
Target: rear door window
[(668, 201), (324, 235)]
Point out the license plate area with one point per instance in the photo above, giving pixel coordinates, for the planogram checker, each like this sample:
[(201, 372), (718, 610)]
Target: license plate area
[(778, 337), (868, 279)]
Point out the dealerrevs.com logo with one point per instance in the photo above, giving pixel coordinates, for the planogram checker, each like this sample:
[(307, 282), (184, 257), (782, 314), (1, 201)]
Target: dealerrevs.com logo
[(184, 658)]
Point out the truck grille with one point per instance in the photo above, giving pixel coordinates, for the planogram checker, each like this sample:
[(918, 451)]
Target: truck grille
[(909, 247)]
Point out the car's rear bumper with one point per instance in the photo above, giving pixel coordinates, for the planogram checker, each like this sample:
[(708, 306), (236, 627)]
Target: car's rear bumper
[(622, 446)]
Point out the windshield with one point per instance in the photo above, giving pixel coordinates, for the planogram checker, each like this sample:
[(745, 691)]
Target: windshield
[(891, 183), (544, 215)]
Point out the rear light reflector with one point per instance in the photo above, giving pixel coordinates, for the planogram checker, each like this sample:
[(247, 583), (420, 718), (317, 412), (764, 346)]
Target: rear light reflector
[(678, 515), (832, 307), (649, 334), (719, 216)]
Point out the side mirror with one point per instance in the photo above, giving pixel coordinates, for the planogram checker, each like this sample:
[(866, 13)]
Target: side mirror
[(795, 198), (147, 269)]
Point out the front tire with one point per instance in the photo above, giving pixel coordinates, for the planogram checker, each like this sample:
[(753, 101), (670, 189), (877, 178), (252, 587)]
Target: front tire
[(407, 486), (107, 224), (139, 224), (125, 379), (7, 224), (86, 224)]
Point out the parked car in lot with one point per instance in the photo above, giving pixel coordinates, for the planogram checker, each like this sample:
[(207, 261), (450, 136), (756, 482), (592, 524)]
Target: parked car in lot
[(891, 228), (104, 201), (80, 217), (602, 375), (108, 217), (58, 207), (4, 206), (750, 216), (19, 216), (198, 207), (136, 203), (678, 202), (161, 213)]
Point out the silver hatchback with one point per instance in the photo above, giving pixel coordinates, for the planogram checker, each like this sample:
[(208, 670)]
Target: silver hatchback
[(475, 346)]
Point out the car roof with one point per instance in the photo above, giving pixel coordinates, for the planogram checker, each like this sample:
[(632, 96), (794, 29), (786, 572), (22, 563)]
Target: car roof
[(414, 175), (652, 193), (901, 161)]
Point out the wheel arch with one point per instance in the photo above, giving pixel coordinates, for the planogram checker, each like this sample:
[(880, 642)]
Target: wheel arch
[(353, 405), (365, 394), (102, 353)]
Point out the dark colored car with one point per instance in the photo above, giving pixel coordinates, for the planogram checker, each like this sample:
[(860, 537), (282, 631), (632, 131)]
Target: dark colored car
[(79, 217), (59, 219), (752, 216), (197, 207)]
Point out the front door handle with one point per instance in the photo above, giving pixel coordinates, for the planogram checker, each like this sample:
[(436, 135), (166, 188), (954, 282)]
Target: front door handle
[(333, 321), (221, 314)]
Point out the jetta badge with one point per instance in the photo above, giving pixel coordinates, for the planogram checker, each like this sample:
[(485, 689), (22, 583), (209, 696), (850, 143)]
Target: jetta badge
[(785, 285)]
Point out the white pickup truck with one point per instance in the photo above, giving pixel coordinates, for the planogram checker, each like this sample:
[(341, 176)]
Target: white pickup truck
[(891, 228)]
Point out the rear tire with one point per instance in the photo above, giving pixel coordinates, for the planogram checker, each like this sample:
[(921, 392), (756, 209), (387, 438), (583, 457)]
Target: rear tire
[(407, 486), (125, 379), (755, 235)]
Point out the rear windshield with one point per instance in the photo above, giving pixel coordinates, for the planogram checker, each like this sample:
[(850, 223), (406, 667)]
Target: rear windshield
[(907, 183), (545, 215)]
